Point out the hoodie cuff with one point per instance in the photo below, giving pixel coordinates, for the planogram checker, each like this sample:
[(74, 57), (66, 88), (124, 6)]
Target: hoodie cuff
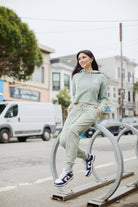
[(71, 105)]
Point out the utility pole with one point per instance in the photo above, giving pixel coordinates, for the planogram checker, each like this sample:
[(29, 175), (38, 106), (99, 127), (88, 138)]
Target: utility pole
[(121, 58)]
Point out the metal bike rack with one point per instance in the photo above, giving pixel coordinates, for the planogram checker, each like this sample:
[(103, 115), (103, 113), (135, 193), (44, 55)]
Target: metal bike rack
[(134, 130), (124, 190), (113, 193), (83, 189)]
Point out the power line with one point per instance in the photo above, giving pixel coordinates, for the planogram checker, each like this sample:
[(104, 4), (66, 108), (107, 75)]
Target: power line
[(84, 30), (76, 21), (79, 30)]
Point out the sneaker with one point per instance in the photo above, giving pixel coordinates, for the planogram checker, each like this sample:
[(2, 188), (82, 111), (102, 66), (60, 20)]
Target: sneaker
[(64, 178), (89, 163)]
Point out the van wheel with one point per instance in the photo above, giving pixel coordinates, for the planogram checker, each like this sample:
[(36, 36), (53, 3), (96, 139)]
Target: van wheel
[(22, 139), (4, 136), (46, 135)]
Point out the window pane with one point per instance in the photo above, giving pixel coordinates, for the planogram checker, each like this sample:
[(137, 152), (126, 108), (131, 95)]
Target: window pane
[(56, 81), (38, 75), (15, 110), (124, 93), (56, 77), (129, 96), (67, 81), (114, 89), (12, 111), (118, 72), (2, 107), (42, 75), (123, 73), (129, 76)]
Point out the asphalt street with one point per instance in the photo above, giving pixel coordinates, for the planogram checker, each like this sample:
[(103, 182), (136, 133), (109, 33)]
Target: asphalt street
[(26, 179)]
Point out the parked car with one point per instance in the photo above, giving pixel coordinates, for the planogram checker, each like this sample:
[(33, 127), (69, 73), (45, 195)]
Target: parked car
[(113, 129), (89, 133), (129, 120)]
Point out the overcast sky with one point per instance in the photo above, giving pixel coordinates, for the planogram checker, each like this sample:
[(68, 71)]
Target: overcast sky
[(68, 26)]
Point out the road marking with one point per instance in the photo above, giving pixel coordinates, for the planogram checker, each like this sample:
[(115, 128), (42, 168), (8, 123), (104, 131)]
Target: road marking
[(111, 163), (7, 188), (43, 180), (130, 158), (105, 165), (25, 184)]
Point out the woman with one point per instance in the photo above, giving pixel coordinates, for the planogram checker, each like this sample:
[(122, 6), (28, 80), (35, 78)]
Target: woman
[(89, 100)]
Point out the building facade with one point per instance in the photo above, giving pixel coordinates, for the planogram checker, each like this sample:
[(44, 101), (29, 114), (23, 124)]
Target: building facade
[(136, 99), (111, 66), (36, 89), (60, 77)]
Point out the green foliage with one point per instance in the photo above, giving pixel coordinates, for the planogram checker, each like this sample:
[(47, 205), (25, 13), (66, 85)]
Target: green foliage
[(135, 87), (64, 100), (19, 53), (64, 97)]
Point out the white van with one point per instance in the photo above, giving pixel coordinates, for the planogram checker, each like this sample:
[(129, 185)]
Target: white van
[(59, 118), (26, 119)]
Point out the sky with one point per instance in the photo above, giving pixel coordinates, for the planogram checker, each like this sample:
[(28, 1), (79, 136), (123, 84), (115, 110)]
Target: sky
[(68, 26)]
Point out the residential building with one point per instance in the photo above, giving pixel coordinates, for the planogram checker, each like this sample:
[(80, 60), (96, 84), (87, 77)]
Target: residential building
[(136, 100), (60, 76), (111, 66), (36, 89)]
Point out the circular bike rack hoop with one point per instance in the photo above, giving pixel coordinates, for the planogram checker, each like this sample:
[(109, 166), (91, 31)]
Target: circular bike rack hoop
[(134, 130), (117, 152), (118, 155)]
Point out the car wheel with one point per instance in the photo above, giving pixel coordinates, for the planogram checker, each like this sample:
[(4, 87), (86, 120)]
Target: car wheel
[(4, 136), (131, 132), (115, 134), (46, 135), (22, 139)]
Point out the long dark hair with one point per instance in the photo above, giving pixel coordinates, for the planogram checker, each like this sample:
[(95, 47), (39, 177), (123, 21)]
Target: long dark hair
[(78, 68)]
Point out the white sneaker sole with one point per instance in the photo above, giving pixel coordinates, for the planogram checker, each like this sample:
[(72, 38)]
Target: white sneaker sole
[(62, 185)]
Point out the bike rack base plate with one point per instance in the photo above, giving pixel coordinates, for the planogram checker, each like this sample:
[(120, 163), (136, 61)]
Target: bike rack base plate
[(76, 191), (120, 192)]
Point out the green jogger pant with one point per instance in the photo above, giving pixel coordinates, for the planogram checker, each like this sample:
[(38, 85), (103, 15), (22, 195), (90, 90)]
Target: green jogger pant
[(81, 117)]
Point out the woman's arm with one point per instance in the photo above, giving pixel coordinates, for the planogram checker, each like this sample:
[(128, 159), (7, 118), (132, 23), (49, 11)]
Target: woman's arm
[(103, 99), (73, 93)]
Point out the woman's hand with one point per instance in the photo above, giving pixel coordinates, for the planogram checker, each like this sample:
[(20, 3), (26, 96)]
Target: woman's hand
[(69, 109), (98, 112)]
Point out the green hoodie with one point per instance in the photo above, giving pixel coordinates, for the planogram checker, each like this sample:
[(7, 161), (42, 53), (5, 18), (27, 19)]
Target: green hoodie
[(90, 87)]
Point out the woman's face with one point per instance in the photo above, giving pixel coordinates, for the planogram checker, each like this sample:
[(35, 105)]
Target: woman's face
[(84, 60)]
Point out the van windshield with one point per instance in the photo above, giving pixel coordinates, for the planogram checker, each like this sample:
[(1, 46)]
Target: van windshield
[(2, 107)]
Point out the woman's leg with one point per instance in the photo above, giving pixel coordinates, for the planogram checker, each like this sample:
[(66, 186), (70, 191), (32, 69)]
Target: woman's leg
[(71, 119), (79, 121)]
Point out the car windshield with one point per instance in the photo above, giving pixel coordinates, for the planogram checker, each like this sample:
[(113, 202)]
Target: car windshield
[(2, 107), (105, 121), (128, 120)]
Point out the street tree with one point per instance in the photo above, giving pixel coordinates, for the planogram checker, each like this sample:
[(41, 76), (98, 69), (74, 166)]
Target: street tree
[(63, 98), (135, 87), (19, 52)]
